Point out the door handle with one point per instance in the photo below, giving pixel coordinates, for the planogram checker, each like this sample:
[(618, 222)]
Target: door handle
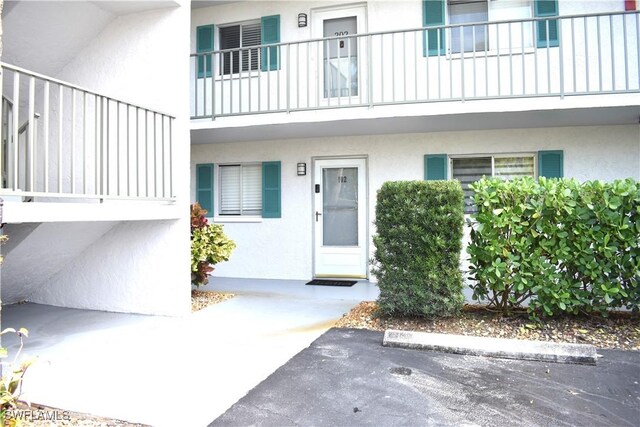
[(317, 215)]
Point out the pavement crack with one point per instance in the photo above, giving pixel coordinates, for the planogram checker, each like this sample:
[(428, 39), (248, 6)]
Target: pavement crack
[(276, 413)]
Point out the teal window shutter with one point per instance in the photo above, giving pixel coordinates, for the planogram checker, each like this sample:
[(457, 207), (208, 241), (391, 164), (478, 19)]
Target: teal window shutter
[(204, 43), (270, 56), (204, 187), (542, 9), (435, 167), (433, 16), (271, 193), (551, 164)]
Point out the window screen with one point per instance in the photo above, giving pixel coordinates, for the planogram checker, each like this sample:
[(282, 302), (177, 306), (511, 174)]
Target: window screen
[(513, 167), (471, 169), (461, 12), (468, 171)]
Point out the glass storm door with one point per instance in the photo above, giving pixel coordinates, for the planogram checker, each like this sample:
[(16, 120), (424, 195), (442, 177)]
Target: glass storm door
[(340, 57), (340, 218)]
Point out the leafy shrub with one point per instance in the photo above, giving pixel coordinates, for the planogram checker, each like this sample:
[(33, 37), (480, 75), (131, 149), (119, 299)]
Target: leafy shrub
[(417, 248), (3, 238), (209, 246), (567, 246), (11, 382)]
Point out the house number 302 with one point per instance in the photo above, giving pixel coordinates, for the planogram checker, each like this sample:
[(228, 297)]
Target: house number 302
[(342, 179)]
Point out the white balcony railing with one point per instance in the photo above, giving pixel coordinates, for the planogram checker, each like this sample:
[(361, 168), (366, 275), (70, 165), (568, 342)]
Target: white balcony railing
[(60, 141), (558, 56)]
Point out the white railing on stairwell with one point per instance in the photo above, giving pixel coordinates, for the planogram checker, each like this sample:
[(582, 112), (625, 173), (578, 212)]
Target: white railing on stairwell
[(61, 141), (540, 57)]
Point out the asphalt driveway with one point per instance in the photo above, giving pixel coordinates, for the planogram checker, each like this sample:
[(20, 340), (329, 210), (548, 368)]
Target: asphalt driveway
[(346, 377)]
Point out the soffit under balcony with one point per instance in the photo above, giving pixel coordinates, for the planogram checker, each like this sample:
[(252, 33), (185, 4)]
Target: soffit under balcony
[(126, 7), (444, 118), (199, 4), (44, 36)]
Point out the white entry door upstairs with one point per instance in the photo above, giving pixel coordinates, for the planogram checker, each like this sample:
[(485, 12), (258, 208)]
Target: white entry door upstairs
[(341, 61)]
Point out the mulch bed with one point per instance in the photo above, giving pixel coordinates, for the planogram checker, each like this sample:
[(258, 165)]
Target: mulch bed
[(203, 299), (59, 417), (621, 330)]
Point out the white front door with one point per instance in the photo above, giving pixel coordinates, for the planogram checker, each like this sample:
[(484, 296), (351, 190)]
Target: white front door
[(341, 61), (340, 218)]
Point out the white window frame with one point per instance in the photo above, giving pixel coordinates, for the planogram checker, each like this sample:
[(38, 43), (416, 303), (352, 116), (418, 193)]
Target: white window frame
[(493, 163), (223, 217), (493, 156), (219, 45), (448, 20), (491, 47)]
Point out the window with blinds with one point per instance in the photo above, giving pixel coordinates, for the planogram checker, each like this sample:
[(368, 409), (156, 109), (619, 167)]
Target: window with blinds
[(463, 12), (240, 189), (468, 170), (240, 36)]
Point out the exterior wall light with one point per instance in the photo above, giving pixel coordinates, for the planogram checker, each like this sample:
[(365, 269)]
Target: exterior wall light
[(302, 169), (302, 20)]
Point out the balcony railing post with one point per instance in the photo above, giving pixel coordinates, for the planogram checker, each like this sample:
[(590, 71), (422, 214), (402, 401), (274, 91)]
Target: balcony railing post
[(288, 81), (85, 137), (30, 155), (171, 158), (560, 57), (16, 126), (370, 72), (462, 52), (107, 156), (599, 54), (213, 89), (626, 61), (613, 55), (573, 56)]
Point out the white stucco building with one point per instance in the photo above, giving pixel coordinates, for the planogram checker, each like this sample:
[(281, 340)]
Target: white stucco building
[(290, 142), (94, 155), (292, 114)]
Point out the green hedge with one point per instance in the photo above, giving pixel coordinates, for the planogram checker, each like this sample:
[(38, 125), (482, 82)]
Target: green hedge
[(417, 248), (564, 245)]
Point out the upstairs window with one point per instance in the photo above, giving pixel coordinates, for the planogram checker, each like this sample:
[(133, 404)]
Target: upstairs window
[(474, 37), (240, 36)]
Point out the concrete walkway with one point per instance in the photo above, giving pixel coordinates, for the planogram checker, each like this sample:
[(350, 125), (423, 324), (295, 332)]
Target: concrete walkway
[(174, 371)]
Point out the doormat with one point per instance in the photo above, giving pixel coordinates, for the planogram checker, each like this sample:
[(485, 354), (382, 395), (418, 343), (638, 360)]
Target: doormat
[(318, 282)]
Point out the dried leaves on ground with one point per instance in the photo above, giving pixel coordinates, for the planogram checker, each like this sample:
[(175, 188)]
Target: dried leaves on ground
[(621, 330), (41, 416), (203, 299)]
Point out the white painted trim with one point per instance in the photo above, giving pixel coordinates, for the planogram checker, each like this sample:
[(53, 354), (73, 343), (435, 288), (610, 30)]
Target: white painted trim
[(236, 219), (19, 212), (361, 162), (317, 18)]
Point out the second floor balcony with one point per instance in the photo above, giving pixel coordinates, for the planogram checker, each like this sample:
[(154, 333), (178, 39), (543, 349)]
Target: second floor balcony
[(557, 57)]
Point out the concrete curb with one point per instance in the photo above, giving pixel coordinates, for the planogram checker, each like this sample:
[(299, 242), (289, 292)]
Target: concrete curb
[(493, 347)]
